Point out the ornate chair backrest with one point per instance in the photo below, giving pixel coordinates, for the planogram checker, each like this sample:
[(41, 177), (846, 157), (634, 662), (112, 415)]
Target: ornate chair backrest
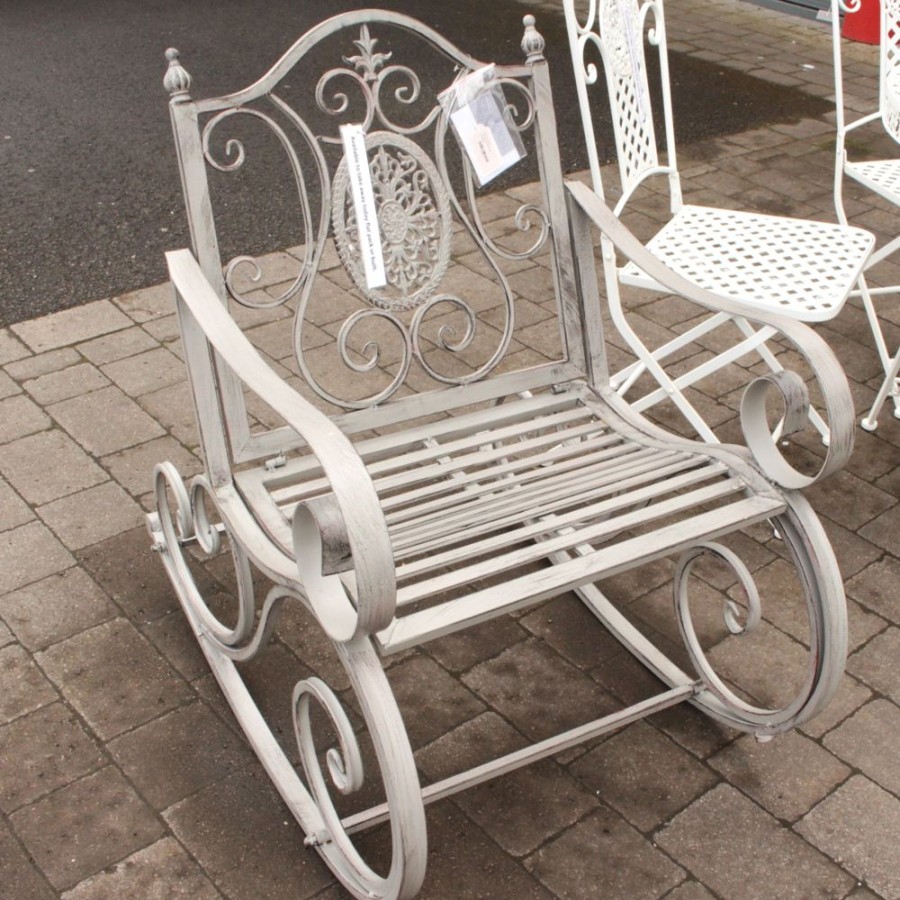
[(374, 356), (614, 31)]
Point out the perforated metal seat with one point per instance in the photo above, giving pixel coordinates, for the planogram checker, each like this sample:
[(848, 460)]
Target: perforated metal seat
[(795, 267)]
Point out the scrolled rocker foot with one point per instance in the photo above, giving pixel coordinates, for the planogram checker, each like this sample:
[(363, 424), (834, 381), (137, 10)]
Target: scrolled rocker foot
[(827, 628), (182, 519)]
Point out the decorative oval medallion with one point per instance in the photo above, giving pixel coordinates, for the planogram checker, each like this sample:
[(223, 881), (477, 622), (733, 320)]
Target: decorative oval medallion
[(414, 219)]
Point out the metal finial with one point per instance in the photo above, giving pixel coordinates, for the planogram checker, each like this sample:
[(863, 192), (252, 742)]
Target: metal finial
[(176, 81), (532, 41)]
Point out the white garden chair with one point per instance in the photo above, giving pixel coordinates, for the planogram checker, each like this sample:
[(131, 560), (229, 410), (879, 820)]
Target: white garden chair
[(881, 176), (798, 268)]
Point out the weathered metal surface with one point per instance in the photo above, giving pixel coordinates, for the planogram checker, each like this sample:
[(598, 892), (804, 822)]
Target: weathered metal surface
[(798, 268), (399, 516), (881, 176)]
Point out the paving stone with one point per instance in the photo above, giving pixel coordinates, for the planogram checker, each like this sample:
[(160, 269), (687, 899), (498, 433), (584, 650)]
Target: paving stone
[(13, 510), (172, 636), (787, 777), (71, 382), (537, 691), (19, 416), (29, 553), (49, 749), (603, 856), (738, 660), (850, 695), (105, 421), (643, 775), (21, 879), (876, 663), (91, 516), (246, 840), (173, 408), (471, 744), (148, 303), (23, 687), (55, 608), (178, 754), (694, 730), (876, 588), (44, 363), (829, 498), (432, 702), (858, 825), (690, 890), (8, 387), (466, 864), (884, 529), (573, 631), (162, 871), (86, 826), (119, 345), (133, 468), (522, 810), (726, 840), (11, 348), (114, 678), (71, 326), (460, 651), (146, 372), (868, 741), (6, 636), (133, 576), (48, 465)]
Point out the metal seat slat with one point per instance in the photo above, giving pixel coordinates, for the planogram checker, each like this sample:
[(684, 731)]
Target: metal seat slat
[(667, 479)]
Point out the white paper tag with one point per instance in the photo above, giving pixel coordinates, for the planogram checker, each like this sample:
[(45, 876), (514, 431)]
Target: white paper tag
[(354, 140), (485, 137)]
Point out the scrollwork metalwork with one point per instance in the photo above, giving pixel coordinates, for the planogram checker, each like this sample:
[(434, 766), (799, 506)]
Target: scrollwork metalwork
[(191, 523), (732, 614), (370, 74), (235, 148), (413, 212)]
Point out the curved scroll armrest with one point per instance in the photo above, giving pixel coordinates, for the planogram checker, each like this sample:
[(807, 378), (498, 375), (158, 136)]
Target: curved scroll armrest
[(358, 512), (818, 355)]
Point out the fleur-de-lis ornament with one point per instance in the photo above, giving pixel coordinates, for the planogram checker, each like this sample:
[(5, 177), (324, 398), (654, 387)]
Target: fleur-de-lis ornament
[(369, 61)]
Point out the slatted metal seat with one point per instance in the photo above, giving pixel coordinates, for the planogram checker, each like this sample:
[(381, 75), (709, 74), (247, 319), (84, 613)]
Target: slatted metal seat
[(436, 472), (881, 176), (799, 268)]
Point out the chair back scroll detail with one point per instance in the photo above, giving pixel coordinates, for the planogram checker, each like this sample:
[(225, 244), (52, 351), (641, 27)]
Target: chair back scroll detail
[(426, 318)]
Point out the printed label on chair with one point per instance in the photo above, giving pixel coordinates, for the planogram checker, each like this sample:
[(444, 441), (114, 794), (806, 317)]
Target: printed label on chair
[(354, 140)]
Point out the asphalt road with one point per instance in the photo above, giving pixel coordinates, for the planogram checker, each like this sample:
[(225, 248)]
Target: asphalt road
[(90, 190)]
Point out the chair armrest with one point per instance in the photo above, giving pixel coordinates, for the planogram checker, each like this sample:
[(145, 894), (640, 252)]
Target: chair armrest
[(358, 515), (818, 355)]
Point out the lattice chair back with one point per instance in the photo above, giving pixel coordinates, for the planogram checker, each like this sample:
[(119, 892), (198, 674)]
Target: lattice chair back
[(890, 67), (355, 350), (614, 32)]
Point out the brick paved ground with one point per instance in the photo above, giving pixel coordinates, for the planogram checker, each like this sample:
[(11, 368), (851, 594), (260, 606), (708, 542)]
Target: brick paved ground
[(122, 774)]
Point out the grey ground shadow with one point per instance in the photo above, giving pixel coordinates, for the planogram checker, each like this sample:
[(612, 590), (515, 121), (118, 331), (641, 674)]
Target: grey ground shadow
[(91, 192)]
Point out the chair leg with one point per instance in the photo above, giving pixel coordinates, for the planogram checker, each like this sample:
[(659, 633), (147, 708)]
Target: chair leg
[(891, 365), (179, 522), (889, 387)]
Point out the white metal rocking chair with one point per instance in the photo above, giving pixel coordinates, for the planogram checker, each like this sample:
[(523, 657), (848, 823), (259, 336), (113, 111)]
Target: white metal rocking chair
[(880, 176), (799, 268)]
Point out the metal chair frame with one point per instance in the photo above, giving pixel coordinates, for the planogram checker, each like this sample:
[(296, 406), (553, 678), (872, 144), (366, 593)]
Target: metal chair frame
[(441, 488), (799, 268), (881, 176)]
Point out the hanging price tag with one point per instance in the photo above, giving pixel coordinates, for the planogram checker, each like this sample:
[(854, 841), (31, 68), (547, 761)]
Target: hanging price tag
[(354, 140), (482, 124)]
